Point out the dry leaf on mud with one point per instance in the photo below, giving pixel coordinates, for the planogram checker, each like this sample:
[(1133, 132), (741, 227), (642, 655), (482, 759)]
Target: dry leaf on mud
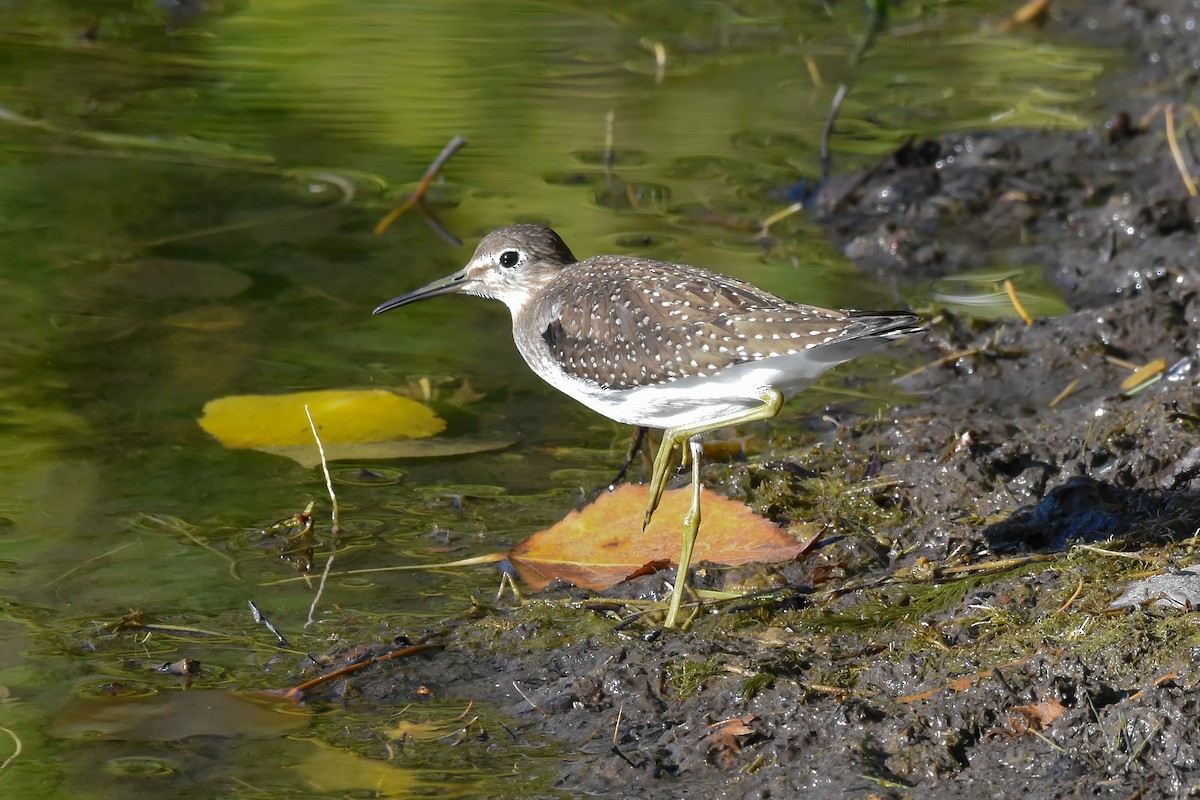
[(604, 543), (1029, 718), (721, 743)]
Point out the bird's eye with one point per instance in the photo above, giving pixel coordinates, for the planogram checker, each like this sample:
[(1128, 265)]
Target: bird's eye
[(509, 258)]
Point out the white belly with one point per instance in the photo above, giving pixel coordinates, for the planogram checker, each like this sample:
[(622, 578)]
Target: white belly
[(690, 402)]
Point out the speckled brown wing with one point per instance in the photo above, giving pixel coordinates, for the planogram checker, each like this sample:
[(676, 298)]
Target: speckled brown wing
[(623, 323)]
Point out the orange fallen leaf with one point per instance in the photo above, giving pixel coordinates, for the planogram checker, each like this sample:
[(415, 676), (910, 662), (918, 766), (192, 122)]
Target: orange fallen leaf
[(604, 543)]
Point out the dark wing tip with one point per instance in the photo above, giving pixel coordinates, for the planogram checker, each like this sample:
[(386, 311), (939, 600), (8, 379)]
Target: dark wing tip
[(891, 324)]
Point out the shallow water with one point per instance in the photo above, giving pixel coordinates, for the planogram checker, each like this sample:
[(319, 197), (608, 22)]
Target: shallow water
[(186, 213)]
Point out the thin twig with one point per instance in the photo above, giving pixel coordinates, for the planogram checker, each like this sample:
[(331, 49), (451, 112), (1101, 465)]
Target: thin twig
[(436, 225), (534, 705), (1176, 153), (175, 525), (1135, 556), (456, 144), (1072, 598), (765, 228), (989, 567), (336, 526), (1122, 363), (179, 526), (298, 691), (827, 132), (814, 72), (826, 161), (487, 558), (1065, 393), (16, 748)]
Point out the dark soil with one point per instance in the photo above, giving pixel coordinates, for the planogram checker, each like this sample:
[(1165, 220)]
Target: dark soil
[(953, 635)]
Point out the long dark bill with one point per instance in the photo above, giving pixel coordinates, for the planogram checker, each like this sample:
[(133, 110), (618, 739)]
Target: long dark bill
[(447, 285)]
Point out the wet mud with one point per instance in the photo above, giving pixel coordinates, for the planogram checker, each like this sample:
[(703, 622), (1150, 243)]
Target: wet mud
[(953, 635)]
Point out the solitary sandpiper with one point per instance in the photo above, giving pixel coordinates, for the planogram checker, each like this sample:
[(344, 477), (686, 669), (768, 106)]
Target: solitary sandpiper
[(659, 345)]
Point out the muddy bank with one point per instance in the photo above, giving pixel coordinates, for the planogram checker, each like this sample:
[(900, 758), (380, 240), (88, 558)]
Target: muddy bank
[(951, 636)]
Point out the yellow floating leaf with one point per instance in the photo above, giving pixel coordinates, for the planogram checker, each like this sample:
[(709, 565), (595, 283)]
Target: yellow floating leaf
[(342, 416), (604, 543)]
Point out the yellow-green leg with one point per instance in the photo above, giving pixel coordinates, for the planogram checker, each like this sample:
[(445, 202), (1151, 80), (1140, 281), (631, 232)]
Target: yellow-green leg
[(691, 527), (674, 438)]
